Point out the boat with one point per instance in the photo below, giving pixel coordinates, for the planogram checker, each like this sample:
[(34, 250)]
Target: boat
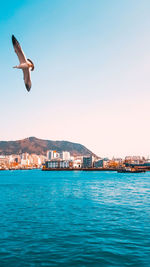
[(130, 170)]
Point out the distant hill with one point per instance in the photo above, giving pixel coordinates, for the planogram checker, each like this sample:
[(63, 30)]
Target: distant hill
[(39, 146)]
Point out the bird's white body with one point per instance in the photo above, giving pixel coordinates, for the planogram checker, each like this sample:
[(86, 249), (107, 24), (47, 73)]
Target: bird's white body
[(26, 65)]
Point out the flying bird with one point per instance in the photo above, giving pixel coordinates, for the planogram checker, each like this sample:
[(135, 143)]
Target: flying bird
[(25, 64)]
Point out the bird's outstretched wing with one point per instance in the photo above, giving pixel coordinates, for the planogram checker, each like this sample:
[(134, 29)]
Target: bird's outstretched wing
[(27, 79), (18, 50)]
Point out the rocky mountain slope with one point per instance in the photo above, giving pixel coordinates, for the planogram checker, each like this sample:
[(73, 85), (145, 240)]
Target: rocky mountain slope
[(39, 146)]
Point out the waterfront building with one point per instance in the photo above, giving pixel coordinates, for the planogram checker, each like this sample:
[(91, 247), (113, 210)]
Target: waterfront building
[(99, 163), (77, 163), (72, 158), (17, 159), (4, 161), (11, 159), (112, 164), (134, 160), (54, 164), (87, 162), (64, 164), (25, 162), (42, 158), (35, 160)]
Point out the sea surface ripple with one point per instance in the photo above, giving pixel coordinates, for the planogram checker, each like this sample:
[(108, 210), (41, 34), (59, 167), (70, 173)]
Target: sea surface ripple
[(71, 218)]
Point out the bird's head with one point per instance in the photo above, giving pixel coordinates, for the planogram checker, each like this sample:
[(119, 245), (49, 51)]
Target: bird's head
[(32, 65)]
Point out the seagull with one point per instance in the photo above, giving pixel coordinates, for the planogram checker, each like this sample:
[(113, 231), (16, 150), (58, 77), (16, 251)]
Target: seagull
[(25, 64)]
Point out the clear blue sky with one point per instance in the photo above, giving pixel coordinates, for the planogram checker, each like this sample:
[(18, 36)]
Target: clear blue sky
[(91, 82)]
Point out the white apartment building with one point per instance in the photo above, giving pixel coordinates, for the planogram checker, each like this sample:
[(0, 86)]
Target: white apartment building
[(52, 154), (65, 155), (77, 163)]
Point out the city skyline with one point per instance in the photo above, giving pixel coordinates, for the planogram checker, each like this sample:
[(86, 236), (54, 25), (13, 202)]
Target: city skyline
[(91, 83), (64, 160)]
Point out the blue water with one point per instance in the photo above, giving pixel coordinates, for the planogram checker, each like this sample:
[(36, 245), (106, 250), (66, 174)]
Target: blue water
[(74, 219)]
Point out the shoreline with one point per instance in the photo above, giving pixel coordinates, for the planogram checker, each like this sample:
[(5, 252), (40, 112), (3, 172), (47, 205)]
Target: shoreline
[(72, 169)]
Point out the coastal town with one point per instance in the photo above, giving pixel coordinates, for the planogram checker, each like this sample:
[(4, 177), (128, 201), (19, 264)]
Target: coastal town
[(63, 160)]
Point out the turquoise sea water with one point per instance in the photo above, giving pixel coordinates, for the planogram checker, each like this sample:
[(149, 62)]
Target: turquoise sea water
[(74, 219)]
